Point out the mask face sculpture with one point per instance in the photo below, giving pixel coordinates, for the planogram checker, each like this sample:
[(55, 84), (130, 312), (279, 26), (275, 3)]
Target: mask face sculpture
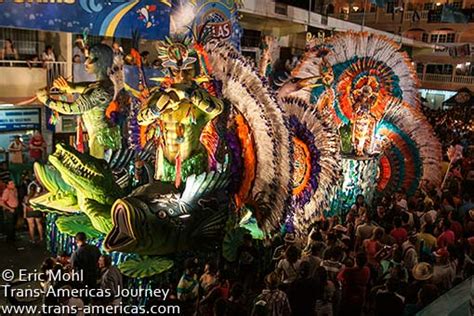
[(157, 219), (92, 103)]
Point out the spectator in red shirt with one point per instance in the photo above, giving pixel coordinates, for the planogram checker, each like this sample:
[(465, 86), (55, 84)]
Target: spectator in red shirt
[(456, 226), (447, 237), (3, 186), (37, 146), (399, 233), (354, 286)]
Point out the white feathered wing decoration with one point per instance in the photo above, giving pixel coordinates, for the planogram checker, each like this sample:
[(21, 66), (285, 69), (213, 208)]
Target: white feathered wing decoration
[(317, 163), (242, 86)]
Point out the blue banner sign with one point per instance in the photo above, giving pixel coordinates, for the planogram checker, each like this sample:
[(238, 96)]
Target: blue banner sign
[(219, 18), (19, 119), (113, 18)]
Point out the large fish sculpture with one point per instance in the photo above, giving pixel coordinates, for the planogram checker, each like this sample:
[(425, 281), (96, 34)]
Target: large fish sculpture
[(157, 219)]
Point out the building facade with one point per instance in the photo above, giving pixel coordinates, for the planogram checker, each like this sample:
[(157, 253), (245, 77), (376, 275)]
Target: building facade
[(445, 67)]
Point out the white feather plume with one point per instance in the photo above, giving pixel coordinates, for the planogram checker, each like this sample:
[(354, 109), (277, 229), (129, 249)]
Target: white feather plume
[(243, 87), (326, 140)]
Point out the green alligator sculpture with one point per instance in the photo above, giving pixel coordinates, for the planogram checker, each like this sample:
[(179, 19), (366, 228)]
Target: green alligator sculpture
[(155, 219), (60, 197), (79, 178)]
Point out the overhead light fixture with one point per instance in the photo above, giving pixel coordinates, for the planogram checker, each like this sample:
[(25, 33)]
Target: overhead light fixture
[(438, 4), (184, 216), (7, 104)]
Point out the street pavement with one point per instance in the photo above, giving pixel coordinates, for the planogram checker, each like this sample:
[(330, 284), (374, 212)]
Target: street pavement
[(20, 254)]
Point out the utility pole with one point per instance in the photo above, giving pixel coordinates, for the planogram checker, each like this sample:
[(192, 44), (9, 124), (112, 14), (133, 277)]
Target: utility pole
[(363, 16)]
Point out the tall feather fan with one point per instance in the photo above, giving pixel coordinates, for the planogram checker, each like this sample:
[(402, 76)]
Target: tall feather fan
[(317, 163), (373, 52), (411, 137), (245, 90), (344, 47)]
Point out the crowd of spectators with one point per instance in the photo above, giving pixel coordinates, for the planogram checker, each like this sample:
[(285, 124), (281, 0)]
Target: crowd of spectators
[(9, 52), (16, 192)]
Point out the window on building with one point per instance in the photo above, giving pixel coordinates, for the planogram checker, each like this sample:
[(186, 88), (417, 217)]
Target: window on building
[(450, 38), (442, 38), (419, 68), (390, 7), (251, 54), (330, 9), (26, 41), (439, 69), (434, 38), (281, 8), (457, 4), (447, 69), (427, 6), (424, 37), (251, 38)]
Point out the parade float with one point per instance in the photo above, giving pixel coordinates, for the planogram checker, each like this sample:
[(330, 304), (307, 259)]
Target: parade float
[(196, 154), (368, 87)]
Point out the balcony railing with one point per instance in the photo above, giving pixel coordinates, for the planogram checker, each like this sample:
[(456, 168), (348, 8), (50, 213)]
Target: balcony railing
[(409, 15), (382, 16), (54, 69), (438, 78), (22, 78), (464, 79), (369, 16), (445, 78)]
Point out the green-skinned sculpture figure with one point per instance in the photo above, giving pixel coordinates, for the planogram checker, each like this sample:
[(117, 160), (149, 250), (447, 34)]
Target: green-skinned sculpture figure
[(92, 103)]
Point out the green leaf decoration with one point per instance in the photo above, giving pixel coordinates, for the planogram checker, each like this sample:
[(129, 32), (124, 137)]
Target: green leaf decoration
[(254, 230), (232, 241), (144, 267), (73, 224), (249, 222)]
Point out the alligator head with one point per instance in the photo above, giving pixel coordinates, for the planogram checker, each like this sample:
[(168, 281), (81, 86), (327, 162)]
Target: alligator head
[(90, 177), (59, 197), (77, 181)]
